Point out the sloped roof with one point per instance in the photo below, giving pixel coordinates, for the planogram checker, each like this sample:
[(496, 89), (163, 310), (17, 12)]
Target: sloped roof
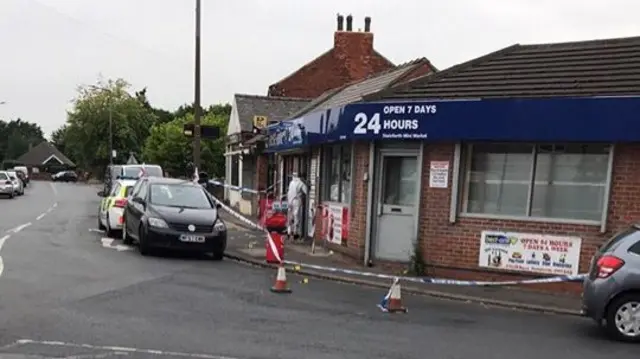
[(609, 67), (274, 108), (357, 90), (39, 154)]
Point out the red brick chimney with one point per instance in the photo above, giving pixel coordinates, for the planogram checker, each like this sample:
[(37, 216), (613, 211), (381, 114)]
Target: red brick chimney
[(355, 48)]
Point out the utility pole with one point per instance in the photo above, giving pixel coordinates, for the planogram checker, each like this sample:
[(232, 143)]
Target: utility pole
[(196, 103)]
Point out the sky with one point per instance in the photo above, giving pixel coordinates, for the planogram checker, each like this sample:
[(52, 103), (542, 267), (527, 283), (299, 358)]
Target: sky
[(50, 47)]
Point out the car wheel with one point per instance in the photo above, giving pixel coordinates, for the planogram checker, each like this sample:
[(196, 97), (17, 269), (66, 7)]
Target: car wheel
[(623, 318), (126, 239), (218, 255), (143, 247)]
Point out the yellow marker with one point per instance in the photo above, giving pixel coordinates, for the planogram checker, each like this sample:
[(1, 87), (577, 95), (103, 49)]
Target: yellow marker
[(297, 268), (305, 280)]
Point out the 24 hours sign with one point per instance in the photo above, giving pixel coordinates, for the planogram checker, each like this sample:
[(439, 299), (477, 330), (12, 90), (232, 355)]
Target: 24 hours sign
[(525, 252), (393, 122)]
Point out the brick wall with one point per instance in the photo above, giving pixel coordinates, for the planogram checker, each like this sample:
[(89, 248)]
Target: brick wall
[(352, 58), (453, 249)]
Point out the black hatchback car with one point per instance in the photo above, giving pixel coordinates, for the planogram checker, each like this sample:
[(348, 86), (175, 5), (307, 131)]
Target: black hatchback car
[(173, 214)]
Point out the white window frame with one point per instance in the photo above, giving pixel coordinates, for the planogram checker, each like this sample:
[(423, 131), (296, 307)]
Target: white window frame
[(464, 179)]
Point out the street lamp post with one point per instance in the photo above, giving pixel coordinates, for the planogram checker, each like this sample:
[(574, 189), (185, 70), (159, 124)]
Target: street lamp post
[(197, 110)]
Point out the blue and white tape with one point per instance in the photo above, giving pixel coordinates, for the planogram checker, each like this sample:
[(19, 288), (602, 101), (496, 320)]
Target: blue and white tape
[(426, 280), (242, 189)]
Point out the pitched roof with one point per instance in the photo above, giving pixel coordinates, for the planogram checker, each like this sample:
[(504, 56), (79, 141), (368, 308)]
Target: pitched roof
[(274, 108), (571, 69), (357, 90), (43, 152)]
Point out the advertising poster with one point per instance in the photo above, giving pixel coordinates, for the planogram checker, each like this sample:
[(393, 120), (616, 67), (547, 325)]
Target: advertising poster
[(335, 218), (524, 252), (439, 174)]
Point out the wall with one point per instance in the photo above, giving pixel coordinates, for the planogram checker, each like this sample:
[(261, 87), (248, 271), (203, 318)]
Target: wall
[(452, 249)]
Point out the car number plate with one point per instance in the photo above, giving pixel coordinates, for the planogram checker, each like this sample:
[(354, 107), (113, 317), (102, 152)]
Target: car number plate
[(192, 239)]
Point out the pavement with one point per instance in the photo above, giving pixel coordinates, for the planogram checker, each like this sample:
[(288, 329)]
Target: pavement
[(66, 292), (250, 248)]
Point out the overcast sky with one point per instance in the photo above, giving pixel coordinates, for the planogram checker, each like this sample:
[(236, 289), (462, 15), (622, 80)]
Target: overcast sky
[(49, 47)]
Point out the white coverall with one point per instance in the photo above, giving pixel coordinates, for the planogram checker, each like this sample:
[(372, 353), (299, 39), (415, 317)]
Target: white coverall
[(294, 201)]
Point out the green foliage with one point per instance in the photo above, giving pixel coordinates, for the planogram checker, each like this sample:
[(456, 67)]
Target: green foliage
[(168, 146), (86, 136), (17, 136), (418, 265)]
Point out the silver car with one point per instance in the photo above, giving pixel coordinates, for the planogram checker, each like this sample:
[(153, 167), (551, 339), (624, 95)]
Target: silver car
[(17, 182), (6, 185), (611, 293)]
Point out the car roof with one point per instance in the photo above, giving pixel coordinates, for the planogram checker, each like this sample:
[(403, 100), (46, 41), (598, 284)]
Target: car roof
[(166, 180), (126, 182)]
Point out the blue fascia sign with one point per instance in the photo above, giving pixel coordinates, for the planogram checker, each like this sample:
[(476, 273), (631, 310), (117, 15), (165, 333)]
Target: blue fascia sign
[(595, 119)]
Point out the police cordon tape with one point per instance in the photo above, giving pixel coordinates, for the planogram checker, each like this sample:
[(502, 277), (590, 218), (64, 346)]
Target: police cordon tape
[(426, 280), (242, 189)]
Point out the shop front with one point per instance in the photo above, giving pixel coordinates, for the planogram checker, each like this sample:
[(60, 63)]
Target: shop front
[(527, 186)]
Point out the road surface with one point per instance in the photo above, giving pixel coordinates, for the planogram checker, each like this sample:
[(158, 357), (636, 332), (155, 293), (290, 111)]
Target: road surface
[(66, 293)]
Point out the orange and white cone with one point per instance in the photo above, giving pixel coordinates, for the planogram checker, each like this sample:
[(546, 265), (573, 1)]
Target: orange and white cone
[(392, 302), (281, 281)]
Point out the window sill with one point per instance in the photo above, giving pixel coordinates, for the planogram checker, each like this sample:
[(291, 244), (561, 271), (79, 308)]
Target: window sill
[(584, 222)]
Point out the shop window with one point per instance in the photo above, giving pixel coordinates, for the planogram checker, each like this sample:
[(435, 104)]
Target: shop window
[(539, 181), (337, 169), (235, 170)]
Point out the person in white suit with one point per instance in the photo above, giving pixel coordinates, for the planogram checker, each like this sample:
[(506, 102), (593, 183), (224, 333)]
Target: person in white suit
[(297, 188)]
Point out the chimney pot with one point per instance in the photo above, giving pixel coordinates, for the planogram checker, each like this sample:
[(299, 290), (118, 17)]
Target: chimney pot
[(349, 23), (340, 22), (367, 24)]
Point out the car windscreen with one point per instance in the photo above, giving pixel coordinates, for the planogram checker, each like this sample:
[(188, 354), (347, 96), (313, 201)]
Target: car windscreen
[(3, 177), (179, 195), (134, 171)]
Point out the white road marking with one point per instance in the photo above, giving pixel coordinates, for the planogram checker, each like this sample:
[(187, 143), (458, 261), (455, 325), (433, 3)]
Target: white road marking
[(55, 205), (108, 243), (54, 189), (41, 216), (19, 228), (1, 266), (122, 349), (3, 239), (95, 356)]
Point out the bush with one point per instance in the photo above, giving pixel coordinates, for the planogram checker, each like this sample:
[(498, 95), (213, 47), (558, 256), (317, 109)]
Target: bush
[(418, 265)]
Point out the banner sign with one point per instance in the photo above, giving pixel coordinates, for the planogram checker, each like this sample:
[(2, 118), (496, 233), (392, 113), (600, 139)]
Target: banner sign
[(605, 119), (525, 252)]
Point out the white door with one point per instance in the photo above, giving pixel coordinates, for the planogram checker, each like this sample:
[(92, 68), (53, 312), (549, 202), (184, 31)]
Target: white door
[(397, 186)]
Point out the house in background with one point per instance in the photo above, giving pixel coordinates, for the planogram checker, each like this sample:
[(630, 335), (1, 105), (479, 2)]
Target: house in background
[(352, 58), (45, 157)]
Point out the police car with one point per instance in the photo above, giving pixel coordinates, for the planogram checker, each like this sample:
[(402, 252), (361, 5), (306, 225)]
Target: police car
[(112, 206)]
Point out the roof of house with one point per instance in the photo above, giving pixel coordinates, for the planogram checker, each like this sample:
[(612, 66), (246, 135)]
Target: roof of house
[(42, 153), (274, 108), (571, 69), (357, 90)]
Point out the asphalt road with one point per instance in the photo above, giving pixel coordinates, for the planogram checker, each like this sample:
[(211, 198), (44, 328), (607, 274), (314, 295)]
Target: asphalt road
[(66, 294)]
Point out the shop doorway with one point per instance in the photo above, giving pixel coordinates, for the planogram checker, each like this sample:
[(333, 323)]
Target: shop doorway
[(397, 184)]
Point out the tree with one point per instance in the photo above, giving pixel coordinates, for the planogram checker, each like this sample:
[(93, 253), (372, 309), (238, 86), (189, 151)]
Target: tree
[(168, 146), (86, 137), (58, 139), (17, 137)]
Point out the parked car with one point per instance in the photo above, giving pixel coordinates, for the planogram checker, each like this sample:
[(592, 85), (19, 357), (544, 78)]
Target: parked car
[(173, 214), (611, 293), (112, 206), (6, 185), (65, 176), (24, 171), (128, 172), (18, 187), (22, 178)]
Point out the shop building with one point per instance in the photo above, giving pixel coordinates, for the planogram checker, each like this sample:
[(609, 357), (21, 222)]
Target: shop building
[(352, 58), (516, 164)]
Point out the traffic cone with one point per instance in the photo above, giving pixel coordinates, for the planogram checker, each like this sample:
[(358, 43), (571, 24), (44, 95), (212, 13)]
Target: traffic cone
[(281, 281), (392, 302)]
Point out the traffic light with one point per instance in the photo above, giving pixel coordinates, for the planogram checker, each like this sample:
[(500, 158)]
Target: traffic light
[(206, 131)]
